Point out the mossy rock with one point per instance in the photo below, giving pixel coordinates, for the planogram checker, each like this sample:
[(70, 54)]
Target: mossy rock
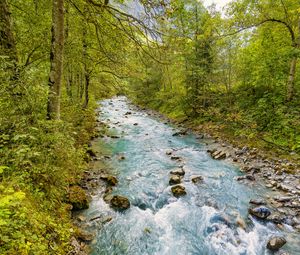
[(119, 203), (78, 198), (110, 179), (178, 191)]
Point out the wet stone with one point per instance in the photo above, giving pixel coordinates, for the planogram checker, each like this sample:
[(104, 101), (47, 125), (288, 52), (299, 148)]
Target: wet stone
[(178, 171), (119, 203), (283, 199), (197, 179), (110, 179), (257, 201), (260, 212), (174, 179), (275, 243), (178, 190), (169, 152)]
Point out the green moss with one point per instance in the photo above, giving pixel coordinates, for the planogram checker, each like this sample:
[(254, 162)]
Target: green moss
[(78, 198)]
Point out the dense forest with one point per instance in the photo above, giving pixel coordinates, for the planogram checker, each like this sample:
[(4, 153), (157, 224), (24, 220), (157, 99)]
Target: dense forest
[(233, 72)]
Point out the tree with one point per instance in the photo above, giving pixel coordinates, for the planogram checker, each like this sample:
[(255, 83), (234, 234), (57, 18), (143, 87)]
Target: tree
[(7, 39), (56, 60), (248, 14)]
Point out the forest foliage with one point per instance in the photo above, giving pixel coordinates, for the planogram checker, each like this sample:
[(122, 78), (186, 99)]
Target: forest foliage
[(234, 69)]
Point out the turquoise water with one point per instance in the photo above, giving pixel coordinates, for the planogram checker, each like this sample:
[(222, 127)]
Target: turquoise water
[(202, 222)]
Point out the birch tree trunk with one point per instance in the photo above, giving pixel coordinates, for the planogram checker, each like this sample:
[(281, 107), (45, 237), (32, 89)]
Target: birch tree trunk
[(56, 60)]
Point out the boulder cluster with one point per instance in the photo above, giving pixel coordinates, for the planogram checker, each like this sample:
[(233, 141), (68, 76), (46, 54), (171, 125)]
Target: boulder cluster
[(176, 175)]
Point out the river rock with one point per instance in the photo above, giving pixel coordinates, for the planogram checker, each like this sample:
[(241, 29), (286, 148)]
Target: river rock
[(245, 177), (177, 158), (114, 136), (110, 179), (219, 155), (174, 179), (257, 201), (197, 179), (275, 243), (260, 212), (276, 218), (250, 177), (180, 133), (119, 202), (121, 157), (283, 199), (169, 152), (81, 218), (84, 236), (91, 152), (178, 190), (178, 171), (107, 197)]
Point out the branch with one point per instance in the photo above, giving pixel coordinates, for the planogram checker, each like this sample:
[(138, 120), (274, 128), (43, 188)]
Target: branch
[(28, 62), (114, 74), (291, 32)]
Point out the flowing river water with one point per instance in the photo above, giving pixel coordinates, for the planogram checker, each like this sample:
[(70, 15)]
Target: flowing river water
[(202, 222)]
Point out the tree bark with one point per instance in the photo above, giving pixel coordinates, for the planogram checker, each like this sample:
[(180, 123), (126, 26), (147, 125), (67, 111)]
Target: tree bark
[(86, 68), (291, 80), (87, 85), (56, 60), (7, 39)]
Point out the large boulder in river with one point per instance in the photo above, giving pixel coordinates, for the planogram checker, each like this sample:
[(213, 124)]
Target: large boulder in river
[(119, 203), (178, 190), (174, 179), (275, 243), (260, 212)]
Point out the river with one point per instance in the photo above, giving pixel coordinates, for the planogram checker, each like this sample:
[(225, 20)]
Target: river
[(202, 222)]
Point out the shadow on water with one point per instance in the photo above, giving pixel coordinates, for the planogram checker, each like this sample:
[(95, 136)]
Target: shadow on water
[(205, 221)]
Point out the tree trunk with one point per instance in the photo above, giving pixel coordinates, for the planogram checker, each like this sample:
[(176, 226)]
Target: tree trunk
[(7, 39), (56, 60), (86, 69), (291, 80), (87, 84)]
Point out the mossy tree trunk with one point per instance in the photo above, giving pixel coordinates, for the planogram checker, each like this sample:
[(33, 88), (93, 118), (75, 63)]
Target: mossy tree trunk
[(293, 65), (7, 39), (56, 60)]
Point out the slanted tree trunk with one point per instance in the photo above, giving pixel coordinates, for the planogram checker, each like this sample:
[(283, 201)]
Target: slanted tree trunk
[(56, 60), (7, 39), (291, 80)]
